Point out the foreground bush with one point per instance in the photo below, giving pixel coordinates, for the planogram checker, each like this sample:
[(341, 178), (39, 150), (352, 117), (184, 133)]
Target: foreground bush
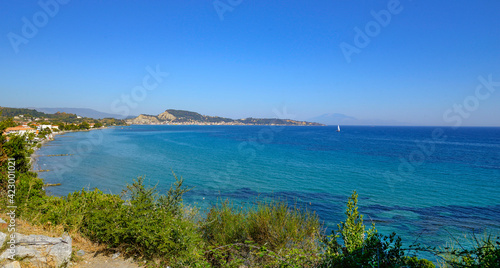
[(485, 252), (147, 225), (362, 248), (267, 233)]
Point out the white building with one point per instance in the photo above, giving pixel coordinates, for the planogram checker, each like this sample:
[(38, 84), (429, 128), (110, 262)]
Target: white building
[(51, 127), (20, 130)]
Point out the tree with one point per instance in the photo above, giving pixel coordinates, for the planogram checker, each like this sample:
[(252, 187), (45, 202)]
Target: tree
[(365, 249), (61, 126), (31, 136), (352, 230), (9, 122), (84, 125), (16, 148)]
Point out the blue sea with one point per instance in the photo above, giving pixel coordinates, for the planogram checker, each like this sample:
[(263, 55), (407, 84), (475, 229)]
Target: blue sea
[(430, 185)]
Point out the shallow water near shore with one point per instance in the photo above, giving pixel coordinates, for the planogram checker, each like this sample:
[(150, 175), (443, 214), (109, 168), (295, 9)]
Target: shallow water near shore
[(424, 183)]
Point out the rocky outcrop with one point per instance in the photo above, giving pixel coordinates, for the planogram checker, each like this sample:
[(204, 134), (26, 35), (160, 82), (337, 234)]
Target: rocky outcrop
[(166, 116), (143, 120), (40, 250)]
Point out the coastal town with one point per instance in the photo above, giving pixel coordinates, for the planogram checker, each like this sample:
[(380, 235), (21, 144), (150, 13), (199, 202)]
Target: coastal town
[(37, 127), (40, 131)]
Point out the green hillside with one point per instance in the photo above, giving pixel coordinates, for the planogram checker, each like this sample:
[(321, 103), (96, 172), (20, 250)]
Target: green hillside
[(11, 112), (31, 115)]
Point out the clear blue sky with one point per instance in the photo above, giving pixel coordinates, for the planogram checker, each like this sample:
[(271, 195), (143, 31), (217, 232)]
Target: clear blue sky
[(262, 55)]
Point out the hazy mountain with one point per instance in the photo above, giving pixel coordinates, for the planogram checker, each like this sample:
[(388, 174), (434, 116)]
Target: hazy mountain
[(335, 119), (84, 112), (342, 119)]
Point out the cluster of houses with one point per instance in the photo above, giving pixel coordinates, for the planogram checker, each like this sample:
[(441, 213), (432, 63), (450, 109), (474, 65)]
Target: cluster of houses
[(35, 129), (20, 130), (29, 125), (25, 129)]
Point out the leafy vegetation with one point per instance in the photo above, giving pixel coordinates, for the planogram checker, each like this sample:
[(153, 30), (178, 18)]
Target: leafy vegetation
[(480, 252), (11, 112), (65, 121), (158, 228), (266, 232), (362, 248)]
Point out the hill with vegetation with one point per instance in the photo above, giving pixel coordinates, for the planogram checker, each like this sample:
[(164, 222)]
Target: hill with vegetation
[(12, 112), (181, 117), (84, 112), (26, 115)]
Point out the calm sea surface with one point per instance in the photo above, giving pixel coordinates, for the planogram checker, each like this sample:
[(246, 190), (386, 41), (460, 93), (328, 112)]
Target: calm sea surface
[(424, 183)]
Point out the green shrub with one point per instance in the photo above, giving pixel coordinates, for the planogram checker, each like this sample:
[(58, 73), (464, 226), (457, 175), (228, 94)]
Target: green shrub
[(146, 225), (69, 211), (484, 252), (362, 248), (266, 233), (280, 226), (225, 224), (418, 263), (17, 148), (29, 188)]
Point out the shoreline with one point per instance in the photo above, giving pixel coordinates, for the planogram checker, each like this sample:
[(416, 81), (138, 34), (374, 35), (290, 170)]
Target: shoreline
[(34, 156)]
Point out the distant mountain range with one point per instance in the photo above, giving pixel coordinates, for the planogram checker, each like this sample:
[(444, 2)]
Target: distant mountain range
[(83, 112), (334, 119), (181, 117), (342, 119)]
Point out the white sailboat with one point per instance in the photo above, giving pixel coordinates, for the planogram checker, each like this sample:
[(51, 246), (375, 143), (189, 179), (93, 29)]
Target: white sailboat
[(338, 128)]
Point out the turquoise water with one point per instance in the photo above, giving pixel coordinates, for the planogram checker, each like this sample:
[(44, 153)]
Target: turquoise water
[(424, 183)]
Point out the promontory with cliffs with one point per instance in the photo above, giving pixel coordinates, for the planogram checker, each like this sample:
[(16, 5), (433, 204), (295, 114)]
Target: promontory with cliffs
[(180, 117)]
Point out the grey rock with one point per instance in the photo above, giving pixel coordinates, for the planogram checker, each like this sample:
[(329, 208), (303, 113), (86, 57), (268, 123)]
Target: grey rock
[(14, 264), (116, 255), (2, 221), (3, 237), (42, 249), (80, 253)]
